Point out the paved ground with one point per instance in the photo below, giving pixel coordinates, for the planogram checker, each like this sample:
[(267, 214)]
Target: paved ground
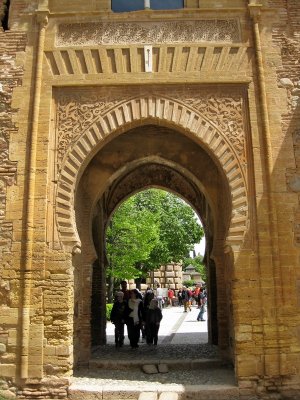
[(181, 337)]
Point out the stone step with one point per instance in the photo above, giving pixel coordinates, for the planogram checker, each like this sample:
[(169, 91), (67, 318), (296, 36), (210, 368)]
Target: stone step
[(170, 392), (156, 396), (201, 363), (156, 383)]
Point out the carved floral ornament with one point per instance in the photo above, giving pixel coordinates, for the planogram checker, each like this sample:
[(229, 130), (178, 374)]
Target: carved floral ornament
[(109, 33), (77, 112)]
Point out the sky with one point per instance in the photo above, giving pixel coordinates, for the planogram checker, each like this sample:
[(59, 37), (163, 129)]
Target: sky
[(200, 247)]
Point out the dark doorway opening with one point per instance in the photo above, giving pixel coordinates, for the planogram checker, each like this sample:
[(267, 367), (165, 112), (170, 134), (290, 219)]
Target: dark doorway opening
[(4, 21)]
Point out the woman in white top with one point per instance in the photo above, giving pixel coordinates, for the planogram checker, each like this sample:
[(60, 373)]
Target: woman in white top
[(134, 318)]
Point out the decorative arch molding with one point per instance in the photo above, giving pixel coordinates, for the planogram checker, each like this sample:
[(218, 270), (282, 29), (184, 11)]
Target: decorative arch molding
[(161, 110), (160, 174)]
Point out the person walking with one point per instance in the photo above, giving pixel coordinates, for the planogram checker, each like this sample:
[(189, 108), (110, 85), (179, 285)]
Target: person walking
[(186, 299), (134, 314), (117, 317), (202, 304), (196, 295), (179, 296), (170, 296), (153, 318), (159, 296)]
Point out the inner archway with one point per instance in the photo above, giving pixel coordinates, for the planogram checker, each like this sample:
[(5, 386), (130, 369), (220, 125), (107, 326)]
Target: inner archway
[(148, 156), (150, 241)]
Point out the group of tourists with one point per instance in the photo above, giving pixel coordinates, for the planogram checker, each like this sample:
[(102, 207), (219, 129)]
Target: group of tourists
[(186, 297), (142, 314)]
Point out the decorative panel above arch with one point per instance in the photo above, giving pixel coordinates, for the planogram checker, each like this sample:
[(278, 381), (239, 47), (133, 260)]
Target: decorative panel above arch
[(158, 32)]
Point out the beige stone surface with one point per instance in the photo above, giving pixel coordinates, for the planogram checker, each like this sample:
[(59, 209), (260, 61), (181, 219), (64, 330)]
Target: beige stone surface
[(148, 396), (169, 396), (216, 120)]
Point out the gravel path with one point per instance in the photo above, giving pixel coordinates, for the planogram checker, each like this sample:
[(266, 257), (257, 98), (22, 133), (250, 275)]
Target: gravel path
[(161, 351)]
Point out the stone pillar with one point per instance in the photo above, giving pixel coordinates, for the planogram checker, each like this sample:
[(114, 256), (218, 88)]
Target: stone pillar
[(28, 255)]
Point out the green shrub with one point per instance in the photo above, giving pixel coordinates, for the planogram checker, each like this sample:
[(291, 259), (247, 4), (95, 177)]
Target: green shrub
[(108, 311)]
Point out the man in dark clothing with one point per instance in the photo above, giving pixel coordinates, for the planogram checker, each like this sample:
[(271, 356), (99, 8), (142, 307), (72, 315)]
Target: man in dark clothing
[(125, 290), (117, 317)]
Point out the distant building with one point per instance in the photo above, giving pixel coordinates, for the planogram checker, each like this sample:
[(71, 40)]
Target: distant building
[(169, 275), (190, 273)]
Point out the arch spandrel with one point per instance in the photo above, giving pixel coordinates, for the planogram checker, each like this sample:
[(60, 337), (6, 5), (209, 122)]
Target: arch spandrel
[(112, 117)]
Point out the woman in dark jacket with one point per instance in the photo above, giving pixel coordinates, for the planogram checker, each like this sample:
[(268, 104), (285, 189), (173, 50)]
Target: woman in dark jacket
[(153, 318), (134, 318)]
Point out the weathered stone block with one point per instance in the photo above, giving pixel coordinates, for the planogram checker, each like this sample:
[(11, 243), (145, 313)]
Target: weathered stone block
[(169, 396), (7, 370), (77, 394), (148, 396)]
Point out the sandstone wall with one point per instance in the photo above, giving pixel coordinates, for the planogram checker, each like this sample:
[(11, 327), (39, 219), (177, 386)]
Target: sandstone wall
[(256, 281), (11, 74)]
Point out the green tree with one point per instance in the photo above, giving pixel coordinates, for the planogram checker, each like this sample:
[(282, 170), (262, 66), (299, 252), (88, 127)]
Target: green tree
[(179, 229), (150, 229), (130, 237)]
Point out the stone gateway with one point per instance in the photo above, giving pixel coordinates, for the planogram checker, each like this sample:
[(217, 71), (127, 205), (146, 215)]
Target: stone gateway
[(95, 105)]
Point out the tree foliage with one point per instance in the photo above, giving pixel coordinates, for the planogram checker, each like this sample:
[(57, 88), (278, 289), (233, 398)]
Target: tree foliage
[(148, 230), (130, 237)]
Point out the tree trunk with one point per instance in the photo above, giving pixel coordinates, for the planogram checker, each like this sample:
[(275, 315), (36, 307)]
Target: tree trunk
[(110, 294)]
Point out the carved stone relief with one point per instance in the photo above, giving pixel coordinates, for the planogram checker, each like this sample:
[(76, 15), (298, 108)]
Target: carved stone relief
[(158, 175), (223, 110), (77, 112), (87, 34)]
